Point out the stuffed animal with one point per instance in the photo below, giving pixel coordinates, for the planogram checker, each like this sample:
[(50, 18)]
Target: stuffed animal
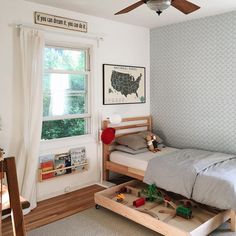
[(152, 143)]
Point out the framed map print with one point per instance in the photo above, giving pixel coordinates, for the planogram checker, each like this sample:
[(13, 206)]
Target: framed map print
[(123, 84)]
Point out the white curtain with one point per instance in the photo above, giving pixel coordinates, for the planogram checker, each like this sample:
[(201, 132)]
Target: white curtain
[(31, 59)]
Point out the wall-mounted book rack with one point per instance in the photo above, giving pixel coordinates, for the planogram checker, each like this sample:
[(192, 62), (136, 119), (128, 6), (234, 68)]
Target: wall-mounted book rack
[(50, 174), (55, 165)]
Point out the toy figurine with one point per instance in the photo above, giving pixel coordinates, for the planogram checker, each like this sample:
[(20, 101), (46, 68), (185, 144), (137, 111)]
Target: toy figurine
[(180, 210), (139, 202), (120, 197), (152, 193), (152, 143), (184, 212), (133, 190)]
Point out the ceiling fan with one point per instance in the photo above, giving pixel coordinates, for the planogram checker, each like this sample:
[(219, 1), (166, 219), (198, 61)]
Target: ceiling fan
[(159, 5)]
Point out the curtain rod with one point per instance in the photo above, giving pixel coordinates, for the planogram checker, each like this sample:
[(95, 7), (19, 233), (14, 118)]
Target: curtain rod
[(59, 31)]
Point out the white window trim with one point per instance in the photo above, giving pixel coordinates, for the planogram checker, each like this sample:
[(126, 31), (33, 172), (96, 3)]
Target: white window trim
[(66, 117), (72, 72), (89, 128)]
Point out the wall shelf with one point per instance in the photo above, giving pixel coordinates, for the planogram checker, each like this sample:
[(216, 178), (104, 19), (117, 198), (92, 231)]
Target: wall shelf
[(74, 170)]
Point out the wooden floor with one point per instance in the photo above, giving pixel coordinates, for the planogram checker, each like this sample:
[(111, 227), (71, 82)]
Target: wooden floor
[(56, 208)]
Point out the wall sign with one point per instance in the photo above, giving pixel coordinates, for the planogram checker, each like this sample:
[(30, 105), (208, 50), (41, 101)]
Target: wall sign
[(60, 22)]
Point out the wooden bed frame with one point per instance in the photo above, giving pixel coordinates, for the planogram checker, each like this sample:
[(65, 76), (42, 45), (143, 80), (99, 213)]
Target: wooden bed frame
[(137, 123)]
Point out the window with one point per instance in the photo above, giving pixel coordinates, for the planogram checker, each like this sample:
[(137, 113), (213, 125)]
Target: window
[(66, 93)]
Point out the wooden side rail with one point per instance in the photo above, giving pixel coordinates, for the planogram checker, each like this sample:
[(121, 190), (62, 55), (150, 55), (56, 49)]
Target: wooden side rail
[(137, 174), (233, 221)]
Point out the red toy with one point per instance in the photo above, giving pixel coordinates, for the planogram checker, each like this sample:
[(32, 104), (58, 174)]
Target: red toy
[(139, 202)]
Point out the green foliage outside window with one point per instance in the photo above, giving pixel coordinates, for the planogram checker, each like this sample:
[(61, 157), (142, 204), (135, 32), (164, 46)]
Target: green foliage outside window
[(63, 128), (64, 59)]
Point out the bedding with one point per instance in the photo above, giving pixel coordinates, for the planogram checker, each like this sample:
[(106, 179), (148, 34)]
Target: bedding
[(130, 150), (200, 175), (216, 185), (138, 161), (135, 141)]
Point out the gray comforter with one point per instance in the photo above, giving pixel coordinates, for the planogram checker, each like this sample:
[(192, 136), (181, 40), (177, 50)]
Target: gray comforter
[(206, 177)]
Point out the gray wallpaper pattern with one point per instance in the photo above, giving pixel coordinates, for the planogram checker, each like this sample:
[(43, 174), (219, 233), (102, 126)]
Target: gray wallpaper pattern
[(193, 83)]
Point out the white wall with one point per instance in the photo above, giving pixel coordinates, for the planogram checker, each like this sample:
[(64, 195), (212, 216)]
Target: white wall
[(123, 44)]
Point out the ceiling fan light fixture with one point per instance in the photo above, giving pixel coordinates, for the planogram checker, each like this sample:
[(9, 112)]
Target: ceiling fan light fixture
[(158, 5)]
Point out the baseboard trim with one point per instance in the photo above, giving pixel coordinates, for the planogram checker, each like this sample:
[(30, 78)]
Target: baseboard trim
[(61, 192)]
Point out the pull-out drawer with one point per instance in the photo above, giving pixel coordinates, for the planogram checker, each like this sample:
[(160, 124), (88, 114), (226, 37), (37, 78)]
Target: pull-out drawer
[(159, 217)]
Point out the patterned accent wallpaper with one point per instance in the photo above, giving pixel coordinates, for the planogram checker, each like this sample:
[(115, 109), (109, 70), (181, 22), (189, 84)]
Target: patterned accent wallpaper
[(193, 83)]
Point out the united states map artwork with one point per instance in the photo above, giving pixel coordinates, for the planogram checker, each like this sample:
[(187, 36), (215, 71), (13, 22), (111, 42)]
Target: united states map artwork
[(125, 83)]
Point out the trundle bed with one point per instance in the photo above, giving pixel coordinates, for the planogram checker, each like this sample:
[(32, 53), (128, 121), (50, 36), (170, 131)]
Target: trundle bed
[(136, 165)]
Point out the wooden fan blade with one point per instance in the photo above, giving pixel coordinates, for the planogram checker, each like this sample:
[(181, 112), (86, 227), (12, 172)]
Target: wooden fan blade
[(130, 8), (184, 6)]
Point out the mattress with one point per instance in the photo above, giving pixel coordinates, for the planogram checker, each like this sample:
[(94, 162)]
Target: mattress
[(138, 161)]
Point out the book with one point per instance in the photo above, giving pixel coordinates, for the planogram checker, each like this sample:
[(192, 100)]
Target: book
[(60, 162), (78, 155), (46, 166), (68, 163), (80, 168), (47, 175), (46, 158)]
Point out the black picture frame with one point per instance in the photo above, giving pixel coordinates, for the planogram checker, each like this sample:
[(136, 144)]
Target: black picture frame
[(123, 84)]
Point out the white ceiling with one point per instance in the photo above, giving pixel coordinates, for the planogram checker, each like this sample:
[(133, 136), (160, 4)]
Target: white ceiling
[(141, 16)]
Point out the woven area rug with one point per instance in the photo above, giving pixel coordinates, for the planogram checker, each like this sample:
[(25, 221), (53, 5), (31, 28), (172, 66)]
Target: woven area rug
[(102, 222)]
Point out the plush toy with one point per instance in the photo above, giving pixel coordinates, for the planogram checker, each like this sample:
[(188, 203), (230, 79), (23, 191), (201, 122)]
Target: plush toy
[(152, 143)]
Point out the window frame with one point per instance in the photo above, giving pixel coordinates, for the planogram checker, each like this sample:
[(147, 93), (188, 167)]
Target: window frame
[(87, 72)]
